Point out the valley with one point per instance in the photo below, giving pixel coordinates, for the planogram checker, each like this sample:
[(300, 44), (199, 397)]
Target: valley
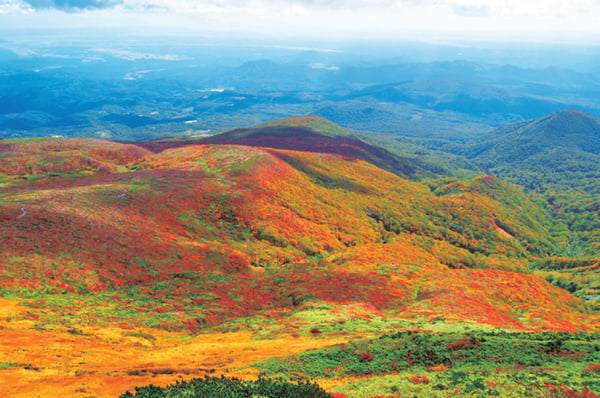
[(131, 86)]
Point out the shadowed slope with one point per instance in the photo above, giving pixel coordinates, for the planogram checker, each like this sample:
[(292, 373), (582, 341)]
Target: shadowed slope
[(318, 135), (307, 134)]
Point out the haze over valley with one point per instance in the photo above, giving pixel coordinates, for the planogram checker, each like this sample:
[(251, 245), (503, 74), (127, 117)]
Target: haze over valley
[(135, 86)]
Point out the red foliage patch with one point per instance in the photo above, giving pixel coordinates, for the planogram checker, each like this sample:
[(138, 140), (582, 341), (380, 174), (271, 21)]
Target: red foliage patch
[(419, 379), (366, 357)]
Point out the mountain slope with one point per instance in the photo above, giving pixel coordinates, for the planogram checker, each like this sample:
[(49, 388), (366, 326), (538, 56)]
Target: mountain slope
[(58, 155), (315, 123), (557, 156), (187, 217), (303, 249)]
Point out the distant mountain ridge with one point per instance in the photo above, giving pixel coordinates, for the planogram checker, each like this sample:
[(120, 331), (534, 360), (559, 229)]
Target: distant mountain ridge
[(558, 151), (569, 129), (451, 98)]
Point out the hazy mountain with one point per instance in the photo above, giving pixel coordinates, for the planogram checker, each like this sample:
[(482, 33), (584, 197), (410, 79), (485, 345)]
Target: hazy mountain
[(516, 143), (134, 89)]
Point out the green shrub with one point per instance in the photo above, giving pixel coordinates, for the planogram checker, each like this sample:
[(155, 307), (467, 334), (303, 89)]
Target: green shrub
[(215, 387)]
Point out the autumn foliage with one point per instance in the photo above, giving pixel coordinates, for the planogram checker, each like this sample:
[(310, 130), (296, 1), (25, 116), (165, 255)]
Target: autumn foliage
[(193, 236), (178, 238)]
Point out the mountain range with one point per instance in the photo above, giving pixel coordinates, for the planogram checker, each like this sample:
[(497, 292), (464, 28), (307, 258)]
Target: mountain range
[(131, 88)]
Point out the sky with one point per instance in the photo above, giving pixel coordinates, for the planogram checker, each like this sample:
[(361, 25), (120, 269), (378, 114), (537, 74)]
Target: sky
[(504, 20)]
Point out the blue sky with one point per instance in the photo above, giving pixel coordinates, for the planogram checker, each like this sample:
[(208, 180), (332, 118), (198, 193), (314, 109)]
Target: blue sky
[(521, 20)]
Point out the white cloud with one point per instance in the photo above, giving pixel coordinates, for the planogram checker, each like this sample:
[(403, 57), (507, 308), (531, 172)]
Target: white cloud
[(318, 65), (532, 8), (11, 7), (295, 9), (481, 19), (132, 55), (525, 8)]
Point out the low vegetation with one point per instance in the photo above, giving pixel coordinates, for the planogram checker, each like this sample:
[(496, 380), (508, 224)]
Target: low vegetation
[(310, 246), (211, 387), (477, 363)]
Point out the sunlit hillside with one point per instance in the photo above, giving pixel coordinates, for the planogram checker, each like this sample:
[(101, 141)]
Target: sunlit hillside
[(318, 246)]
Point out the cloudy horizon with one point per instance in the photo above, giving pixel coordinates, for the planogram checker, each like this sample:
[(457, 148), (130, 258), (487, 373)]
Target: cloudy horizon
[(525, 20)]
